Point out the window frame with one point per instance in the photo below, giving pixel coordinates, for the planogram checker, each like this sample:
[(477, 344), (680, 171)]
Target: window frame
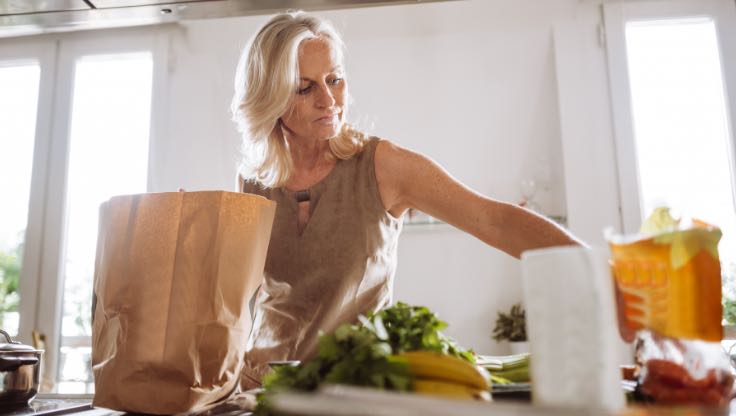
[(42, 273), (616, 15), (44, 54)]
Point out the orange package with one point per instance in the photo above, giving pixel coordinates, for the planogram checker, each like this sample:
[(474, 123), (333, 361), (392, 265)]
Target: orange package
[(669, 279)]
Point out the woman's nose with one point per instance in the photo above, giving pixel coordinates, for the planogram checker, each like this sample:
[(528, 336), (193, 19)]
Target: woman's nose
[(325, 99)]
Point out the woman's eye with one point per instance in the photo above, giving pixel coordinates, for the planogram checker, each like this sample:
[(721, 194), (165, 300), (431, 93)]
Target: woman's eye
[(304, 90), (335, 81)]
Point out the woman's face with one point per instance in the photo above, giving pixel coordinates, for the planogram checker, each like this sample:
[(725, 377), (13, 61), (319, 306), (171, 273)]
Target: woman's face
[(317, 108)]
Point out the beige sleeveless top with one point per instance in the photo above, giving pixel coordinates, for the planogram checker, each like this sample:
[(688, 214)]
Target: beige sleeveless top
[(342, 264)]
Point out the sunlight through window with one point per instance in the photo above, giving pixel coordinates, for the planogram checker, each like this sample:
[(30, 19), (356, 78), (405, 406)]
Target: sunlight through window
[(681, 124), (109, 156), (18, 105)]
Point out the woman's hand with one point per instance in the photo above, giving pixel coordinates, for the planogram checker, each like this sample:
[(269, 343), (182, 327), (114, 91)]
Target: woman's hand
[(410, 180)]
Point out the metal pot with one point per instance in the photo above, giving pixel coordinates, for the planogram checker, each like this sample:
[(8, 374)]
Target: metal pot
[(19, 372)]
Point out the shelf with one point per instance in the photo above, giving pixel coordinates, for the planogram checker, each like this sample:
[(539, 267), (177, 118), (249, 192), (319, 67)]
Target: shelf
[(440, 225), (428, 226)]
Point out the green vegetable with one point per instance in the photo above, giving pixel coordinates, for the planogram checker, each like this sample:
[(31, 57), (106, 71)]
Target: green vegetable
[(364, 355), (516, 375), (499, 380), (352, 355), (412, 328)]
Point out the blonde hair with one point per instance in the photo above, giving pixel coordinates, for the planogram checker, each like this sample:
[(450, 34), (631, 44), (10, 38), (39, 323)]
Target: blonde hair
[(266, 82)]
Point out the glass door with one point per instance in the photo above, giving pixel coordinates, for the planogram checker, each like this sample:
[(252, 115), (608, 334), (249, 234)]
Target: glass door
[(108, 100), (19, 81), (672, 67), (108, 155), (26, 81), (77, 112)]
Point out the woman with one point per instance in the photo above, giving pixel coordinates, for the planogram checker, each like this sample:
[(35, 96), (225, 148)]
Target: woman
[(340, 195)]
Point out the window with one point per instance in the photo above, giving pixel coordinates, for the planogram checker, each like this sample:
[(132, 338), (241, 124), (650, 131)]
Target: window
[(19, 83), (680, 125), (86, 102), (111, 105), (671, 63)]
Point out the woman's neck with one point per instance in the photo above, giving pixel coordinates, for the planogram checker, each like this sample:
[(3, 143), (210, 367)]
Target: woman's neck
[(307, 154)]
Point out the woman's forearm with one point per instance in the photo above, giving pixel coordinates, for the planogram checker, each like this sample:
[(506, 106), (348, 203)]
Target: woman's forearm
[(520, 229)]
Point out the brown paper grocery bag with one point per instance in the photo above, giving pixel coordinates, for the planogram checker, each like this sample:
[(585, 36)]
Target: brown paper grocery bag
[(173, 276)]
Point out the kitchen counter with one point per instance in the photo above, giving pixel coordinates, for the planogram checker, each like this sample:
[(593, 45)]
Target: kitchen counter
[(53, 405), (81, 405), (349, 401), (340, 400)]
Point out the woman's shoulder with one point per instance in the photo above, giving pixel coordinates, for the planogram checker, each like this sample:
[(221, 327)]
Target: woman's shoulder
[(392, 170), (389, 155), (398, 167), (381, 147)]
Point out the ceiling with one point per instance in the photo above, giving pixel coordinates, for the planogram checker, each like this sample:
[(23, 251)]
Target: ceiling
[(28, 17)]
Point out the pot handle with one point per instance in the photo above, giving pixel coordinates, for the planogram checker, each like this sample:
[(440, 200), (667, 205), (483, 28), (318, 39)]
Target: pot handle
[(12, 363)]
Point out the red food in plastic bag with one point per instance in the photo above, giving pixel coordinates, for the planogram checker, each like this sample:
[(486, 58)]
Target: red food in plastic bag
[(678, 371)]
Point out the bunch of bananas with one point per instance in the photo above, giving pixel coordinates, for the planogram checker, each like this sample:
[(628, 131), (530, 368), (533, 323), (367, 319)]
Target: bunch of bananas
[(443, 375)]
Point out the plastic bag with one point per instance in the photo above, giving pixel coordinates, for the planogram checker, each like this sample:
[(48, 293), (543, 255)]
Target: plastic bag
[(668, 287), (675, 371)]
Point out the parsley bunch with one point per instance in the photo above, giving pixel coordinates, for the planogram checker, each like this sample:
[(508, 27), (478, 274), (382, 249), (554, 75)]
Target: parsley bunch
[(412, 328), (364, 355), (351, 355)]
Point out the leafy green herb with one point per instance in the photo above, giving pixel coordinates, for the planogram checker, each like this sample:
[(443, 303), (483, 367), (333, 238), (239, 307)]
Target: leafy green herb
[(364, 355), (352, 355), (412, 328)]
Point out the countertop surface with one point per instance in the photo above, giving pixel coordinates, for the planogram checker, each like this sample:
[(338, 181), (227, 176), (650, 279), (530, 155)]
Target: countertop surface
[(346, 401), (81, 405)]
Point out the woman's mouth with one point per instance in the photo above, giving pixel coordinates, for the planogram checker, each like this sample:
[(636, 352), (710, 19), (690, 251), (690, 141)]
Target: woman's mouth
[(328, 119)]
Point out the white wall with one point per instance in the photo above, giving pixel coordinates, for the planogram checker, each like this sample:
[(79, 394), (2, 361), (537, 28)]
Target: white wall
[(473, 84)]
